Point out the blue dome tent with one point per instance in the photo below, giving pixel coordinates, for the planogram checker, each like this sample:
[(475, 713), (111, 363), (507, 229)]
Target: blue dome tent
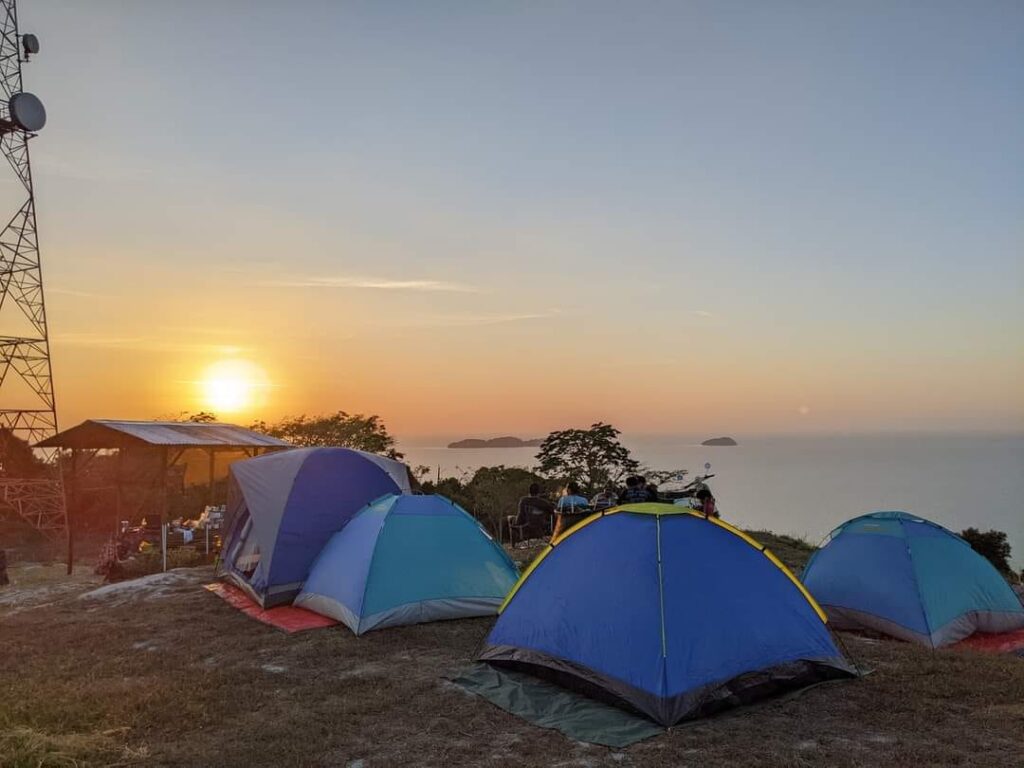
[(665, 612), (405, 560), (905, 576), (283, 507)]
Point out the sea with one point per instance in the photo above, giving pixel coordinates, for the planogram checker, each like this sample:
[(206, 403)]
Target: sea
[(805, 486)]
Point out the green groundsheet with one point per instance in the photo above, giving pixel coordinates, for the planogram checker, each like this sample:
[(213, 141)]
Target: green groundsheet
[(551, 706)]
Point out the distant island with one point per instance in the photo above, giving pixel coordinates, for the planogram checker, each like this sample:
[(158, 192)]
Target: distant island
[(496, 442), (720, 441)]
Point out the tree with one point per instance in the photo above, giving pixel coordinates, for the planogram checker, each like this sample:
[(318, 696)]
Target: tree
[(495, 493), (364, 433), (592, 457), (17, 459), (490, 495), (990, 544), (202, 417)]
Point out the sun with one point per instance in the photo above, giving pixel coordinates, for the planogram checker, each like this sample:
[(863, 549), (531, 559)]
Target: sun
[(231, 386)]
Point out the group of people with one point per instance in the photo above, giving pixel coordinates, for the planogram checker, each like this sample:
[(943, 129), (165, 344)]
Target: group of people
[(535, 510)]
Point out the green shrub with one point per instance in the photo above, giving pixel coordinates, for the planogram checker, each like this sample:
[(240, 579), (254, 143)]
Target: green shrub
[(991, 545)]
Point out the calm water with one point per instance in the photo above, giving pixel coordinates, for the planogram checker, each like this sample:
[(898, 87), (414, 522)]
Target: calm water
[(805, 486)]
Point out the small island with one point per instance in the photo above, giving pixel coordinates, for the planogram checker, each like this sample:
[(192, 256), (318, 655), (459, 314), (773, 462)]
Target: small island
[(720, 441), (496, 442)]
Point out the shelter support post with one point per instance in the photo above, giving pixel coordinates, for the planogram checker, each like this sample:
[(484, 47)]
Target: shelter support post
[(210, 496), (69, 509), (119, 482), (163, 507), (212, 470)]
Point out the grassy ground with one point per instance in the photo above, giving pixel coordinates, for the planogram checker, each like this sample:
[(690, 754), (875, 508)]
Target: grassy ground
[(160, 672)]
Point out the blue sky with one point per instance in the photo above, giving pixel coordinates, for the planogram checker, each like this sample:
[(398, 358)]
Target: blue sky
[(781, 216)]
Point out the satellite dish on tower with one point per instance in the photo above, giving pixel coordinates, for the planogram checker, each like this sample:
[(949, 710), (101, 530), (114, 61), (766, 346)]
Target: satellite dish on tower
[(29, 44), (27, 112)]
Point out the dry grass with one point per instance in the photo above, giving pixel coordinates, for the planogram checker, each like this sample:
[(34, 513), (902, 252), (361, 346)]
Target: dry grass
[(792, 551), (173, 676)]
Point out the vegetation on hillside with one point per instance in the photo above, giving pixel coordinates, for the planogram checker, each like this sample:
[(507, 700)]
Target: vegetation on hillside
[(363, 433), (491, 493), (992, 545), (790, 550), (591, 457), (17, 459)]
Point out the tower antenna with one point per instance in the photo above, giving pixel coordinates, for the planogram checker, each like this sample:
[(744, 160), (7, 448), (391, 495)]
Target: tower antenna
[(28, 411)]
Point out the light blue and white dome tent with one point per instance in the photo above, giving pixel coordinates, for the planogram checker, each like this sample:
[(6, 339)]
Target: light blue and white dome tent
[(283, 507), (406, 560), (910, 578)]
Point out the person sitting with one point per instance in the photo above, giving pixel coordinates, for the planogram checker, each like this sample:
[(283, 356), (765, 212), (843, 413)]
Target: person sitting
[(533, 515), (108, 564), (652, 492), (635, 493), (570, 509), (706, 502), (607, 498)]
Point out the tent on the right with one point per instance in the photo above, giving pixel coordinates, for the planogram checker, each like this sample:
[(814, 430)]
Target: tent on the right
[(904, 576)]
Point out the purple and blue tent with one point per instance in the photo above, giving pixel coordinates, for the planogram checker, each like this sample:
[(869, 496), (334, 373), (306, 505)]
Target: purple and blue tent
[(284, 507)]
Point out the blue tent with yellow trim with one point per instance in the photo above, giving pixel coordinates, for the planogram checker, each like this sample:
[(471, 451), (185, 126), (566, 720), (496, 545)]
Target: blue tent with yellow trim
[(911, 578), (665, 612)]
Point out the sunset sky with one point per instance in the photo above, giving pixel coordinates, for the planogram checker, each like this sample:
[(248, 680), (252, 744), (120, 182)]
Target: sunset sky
[(479, 218)]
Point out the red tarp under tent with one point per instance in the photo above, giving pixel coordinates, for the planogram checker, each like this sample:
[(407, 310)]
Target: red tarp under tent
[(284, 617), (1003, 642)]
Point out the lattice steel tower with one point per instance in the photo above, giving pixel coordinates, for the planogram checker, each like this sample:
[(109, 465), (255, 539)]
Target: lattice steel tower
[(27, 406)]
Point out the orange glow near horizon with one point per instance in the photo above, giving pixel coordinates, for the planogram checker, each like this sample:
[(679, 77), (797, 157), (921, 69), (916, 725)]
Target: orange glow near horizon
[(233, 386), (468, 380)]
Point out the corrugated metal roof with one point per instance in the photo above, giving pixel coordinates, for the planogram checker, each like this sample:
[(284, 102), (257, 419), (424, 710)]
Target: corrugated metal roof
[(113, 433)]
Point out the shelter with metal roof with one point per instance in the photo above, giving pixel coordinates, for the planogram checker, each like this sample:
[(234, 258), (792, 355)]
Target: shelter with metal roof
[(159, 447), (98, 434)]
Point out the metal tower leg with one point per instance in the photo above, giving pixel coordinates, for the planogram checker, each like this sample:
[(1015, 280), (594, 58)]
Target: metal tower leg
[(24, 359)]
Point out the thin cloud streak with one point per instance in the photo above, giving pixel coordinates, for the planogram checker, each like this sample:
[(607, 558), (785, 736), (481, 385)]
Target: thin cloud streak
[(372, 283), (57, 291), (469, 320), (144, 343)]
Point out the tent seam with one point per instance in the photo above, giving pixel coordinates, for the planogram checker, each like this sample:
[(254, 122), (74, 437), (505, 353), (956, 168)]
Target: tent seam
[(661, 607), (661, 591), (494, 543), (917, 584), (373, 557)]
